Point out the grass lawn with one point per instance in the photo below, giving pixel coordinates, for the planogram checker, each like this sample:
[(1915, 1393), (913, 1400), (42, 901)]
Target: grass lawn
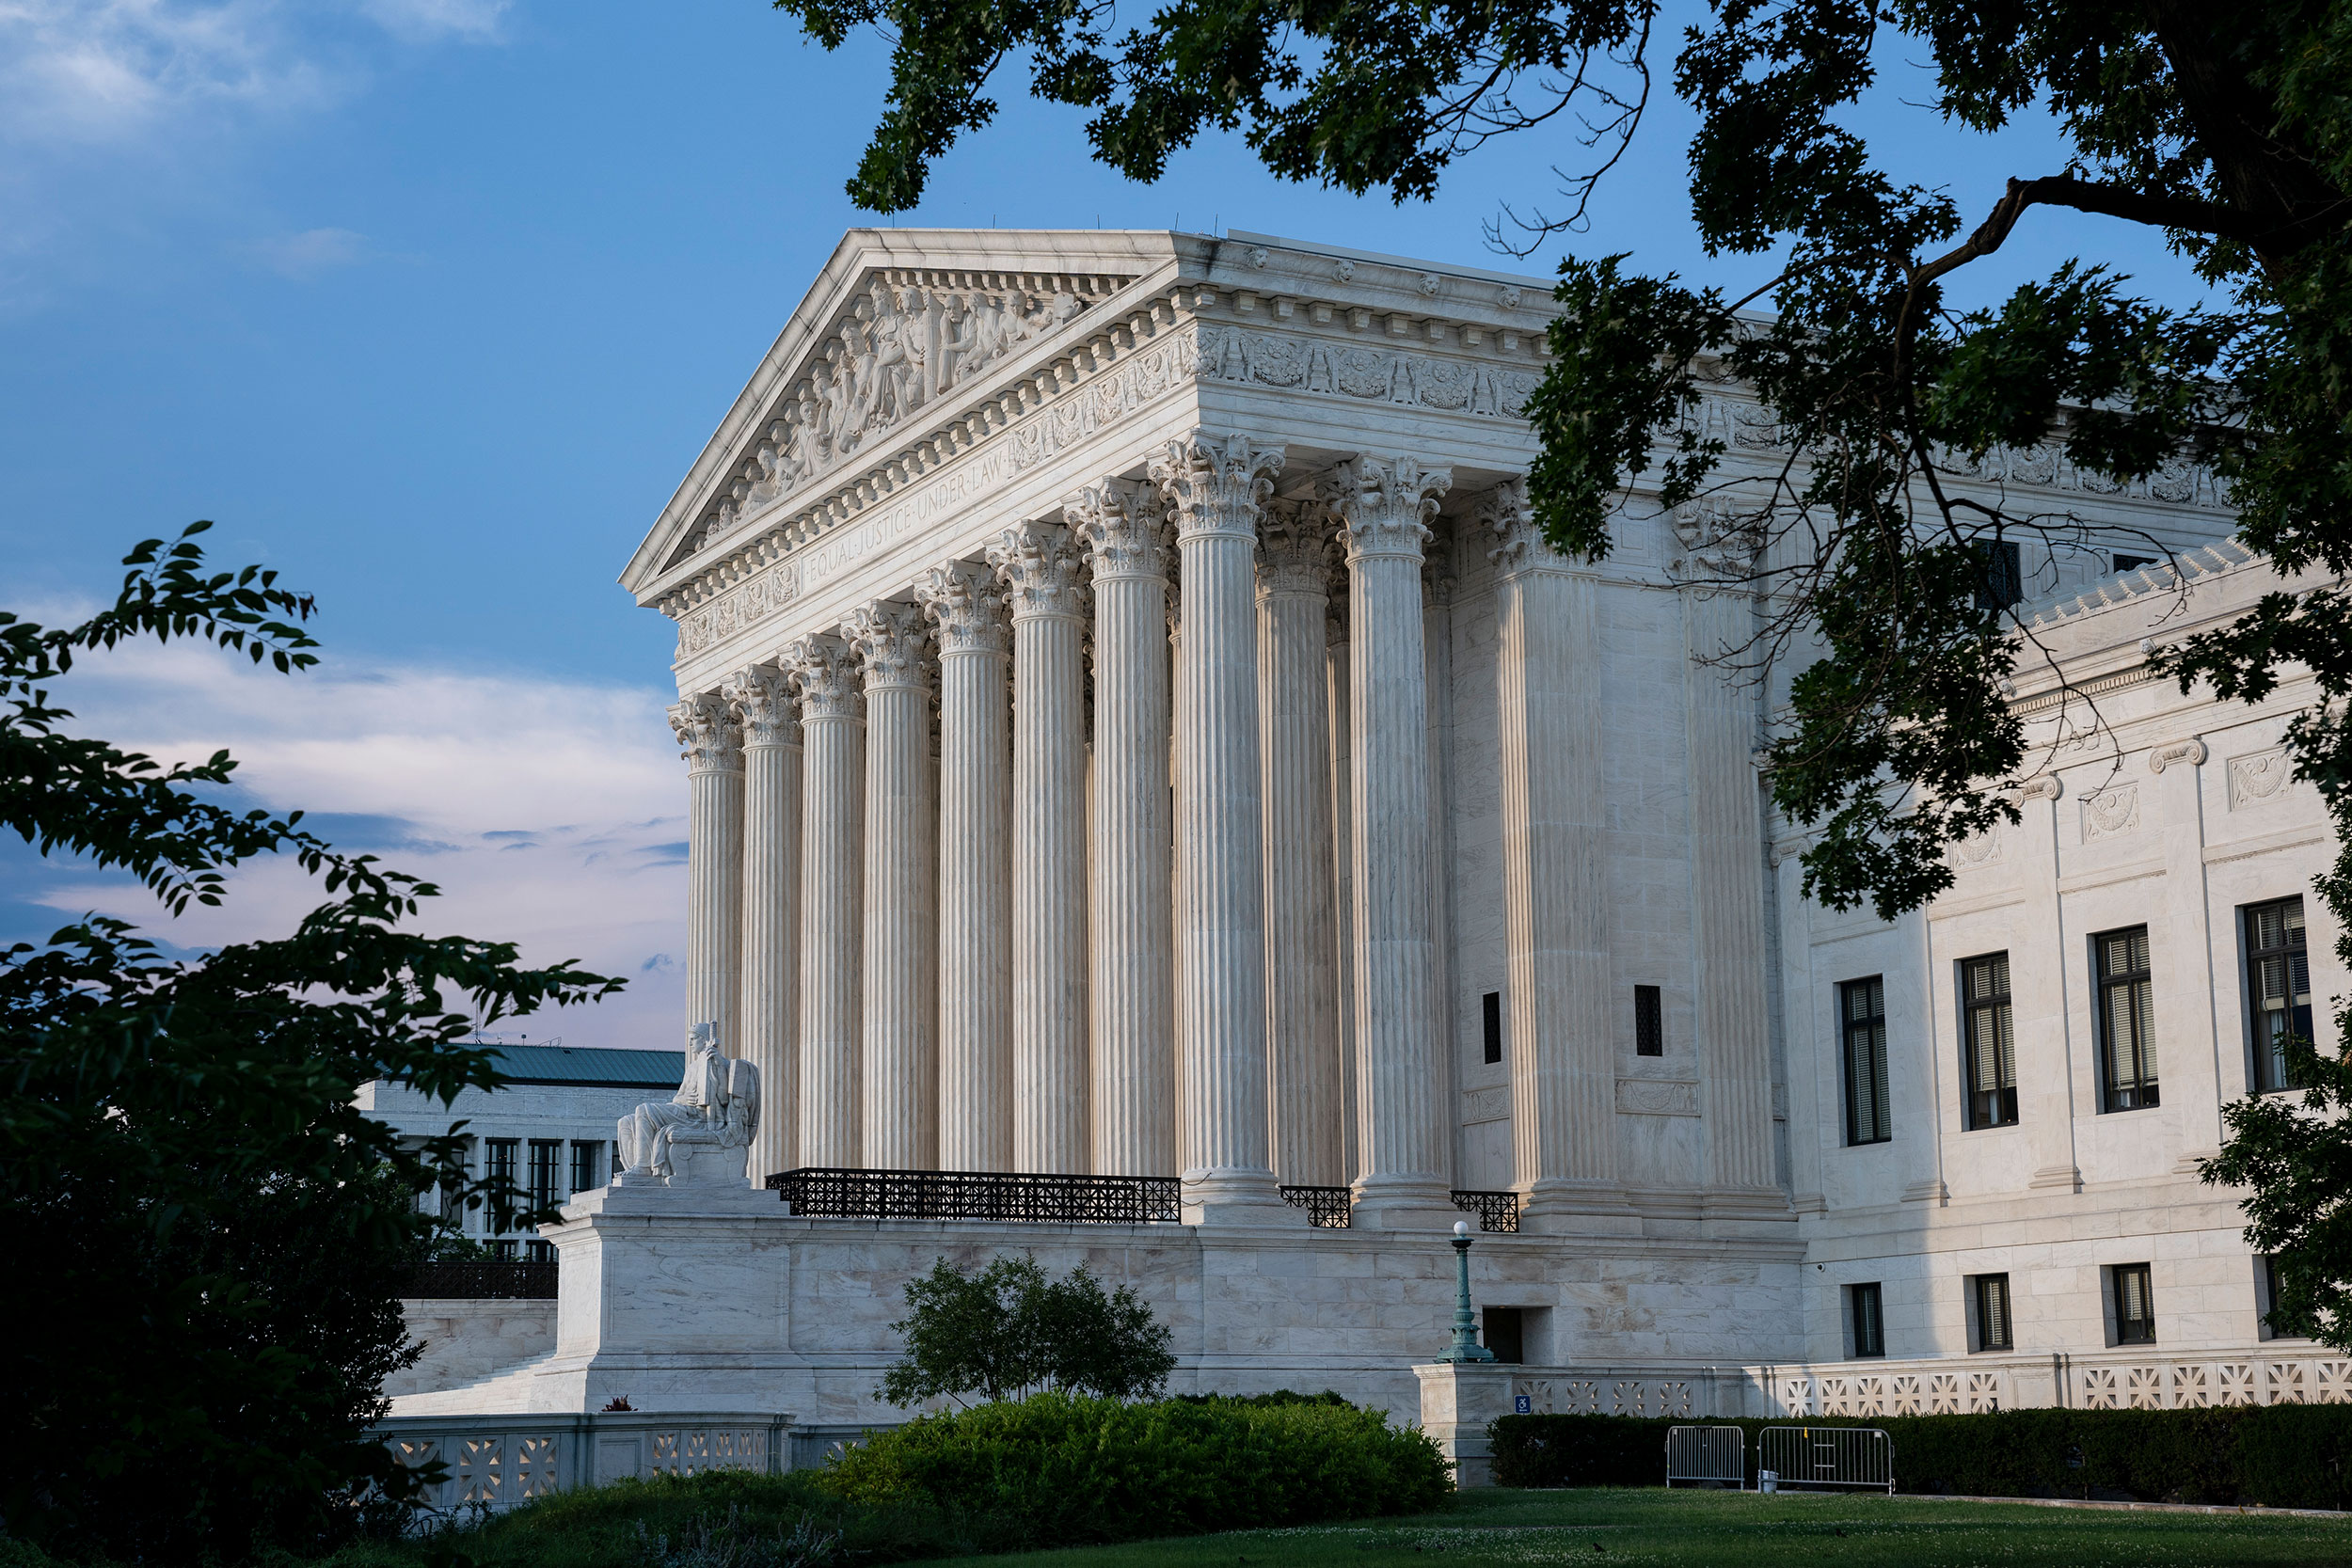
[(1730, 1528)]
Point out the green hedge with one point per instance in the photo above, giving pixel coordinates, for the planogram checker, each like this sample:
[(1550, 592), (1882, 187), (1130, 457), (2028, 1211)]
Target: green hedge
[(2277, 1456), (1062, 1469)]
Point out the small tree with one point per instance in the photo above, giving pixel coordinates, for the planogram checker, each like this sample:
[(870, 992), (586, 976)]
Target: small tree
[(2297, 1164), (1009, 1330)]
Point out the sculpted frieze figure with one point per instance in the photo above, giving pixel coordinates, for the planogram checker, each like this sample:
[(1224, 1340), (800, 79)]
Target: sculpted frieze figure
[(701, 1135)]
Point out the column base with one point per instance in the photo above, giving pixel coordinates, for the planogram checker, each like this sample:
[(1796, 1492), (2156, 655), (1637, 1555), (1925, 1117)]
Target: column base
[(1405, 1203), (1556, 1206), (1236, 1196), (1746, 1203)]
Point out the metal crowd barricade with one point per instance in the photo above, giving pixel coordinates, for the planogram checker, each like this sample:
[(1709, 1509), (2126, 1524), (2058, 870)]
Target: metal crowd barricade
[(1828, 1456), (1707, 1453)]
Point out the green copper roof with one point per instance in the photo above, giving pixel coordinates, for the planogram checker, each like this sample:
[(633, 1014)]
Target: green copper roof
[(588, 1067)]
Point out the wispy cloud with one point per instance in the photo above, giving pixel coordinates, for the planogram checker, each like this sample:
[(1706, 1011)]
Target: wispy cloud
[(115, 71), (431, 21), (545, 811), (310, 255)]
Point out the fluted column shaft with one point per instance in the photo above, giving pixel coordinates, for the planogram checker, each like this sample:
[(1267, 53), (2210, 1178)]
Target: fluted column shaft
[(1562, 1055), (1338, 659), (898, 1064), (833, 879), (1384, 509), (761, 697), (975, 1083), (1133, 938), (1295, 722), (713, 743), (1217, 488), (1044, 584)]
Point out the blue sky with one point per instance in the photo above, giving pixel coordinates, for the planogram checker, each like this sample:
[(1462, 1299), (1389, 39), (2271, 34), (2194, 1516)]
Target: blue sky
[(430, 303)]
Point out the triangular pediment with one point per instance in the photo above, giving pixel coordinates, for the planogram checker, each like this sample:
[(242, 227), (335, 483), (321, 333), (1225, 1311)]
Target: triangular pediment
[(901, 325)]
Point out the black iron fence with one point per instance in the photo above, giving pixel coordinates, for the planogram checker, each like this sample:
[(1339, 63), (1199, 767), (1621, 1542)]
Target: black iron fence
[(483, 1279), (949, 1194), (1328, 1208), (1496, 1212)]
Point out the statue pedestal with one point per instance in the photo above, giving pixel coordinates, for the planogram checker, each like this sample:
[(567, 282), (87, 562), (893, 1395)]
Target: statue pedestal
[(1457, 1401)]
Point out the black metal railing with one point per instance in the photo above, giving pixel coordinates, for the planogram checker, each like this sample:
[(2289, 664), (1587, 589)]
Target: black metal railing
[(1328, 1208), (952, 1195), (1496, 1212), (491, 1279)]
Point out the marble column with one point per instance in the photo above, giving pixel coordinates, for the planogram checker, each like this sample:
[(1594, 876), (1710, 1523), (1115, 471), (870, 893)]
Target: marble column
[(761, 697), (833, 880), (713, 743), (1294, 727), (1342, 790), (1218, 487), (1727, 871), (897, 1062), (1562, 1053), (975, 1085), (1044, 578), (1436, 621), (1132, 985), (1384, 510)]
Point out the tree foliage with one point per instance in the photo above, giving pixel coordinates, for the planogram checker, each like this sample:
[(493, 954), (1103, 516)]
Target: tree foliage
[(1009, 1330), (210, 1237)]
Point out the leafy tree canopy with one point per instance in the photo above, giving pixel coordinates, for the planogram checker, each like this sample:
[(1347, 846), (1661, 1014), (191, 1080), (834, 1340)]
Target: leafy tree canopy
[(1009, 1330), (211, 1237)]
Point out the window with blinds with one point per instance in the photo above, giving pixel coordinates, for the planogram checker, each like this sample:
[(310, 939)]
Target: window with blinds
[(1993, 1324), (2134, 1309), (2279, 979), (2127, 1039), (1990, 1041), (1862, 1008), (1867, 1305)]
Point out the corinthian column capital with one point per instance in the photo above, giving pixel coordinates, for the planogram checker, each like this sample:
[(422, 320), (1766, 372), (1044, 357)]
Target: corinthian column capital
[(1294, 549), (1041, 570), (966, 607), (1384, 507), (761, 697), (1514, 542), (1217, 485), (825, 675), (706, 728), (889, 641), (1123, 526)]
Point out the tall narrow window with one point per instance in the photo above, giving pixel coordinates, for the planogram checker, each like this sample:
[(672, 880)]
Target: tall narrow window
[(1991, 1045), (2127, 1037), (2004, 582), (1861, 1007), (587, 1166), (2278, 1323), (1490, 1020), (2279, 978), (1649, 1022), (2135, 1311), (545, 1156), (499, 1158), (1867, 1305), (1993, 1324)]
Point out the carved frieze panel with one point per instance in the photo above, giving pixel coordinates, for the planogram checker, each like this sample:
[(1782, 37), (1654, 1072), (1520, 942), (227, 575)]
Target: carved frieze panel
[(2260, 777), (1488, 1105), (1361, 372), (2110, 813), (1658, 1096)]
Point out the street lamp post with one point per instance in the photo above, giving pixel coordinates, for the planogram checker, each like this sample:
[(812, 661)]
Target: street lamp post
[(1466, 1346)]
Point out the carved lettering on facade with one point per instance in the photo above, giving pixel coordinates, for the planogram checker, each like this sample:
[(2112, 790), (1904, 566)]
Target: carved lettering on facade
[(1373, 375)]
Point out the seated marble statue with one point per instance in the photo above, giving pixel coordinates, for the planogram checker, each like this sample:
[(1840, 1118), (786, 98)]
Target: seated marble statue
[(702, 1133)]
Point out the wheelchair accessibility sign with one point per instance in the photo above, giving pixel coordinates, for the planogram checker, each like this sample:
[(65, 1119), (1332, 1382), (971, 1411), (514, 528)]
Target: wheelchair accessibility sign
[(1522, 1404)]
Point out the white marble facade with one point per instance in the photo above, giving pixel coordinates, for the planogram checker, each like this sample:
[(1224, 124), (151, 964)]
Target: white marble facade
[(1133, 728)]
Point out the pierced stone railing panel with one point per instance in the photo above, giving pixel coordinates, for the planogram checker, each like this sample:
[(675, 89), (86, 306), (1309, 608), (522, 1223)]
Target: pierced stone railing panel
[(495, 1463)]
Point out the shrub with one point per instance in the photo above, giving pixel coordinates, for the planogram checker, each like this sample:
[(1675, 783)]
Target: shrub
[(1059, 1469), (1008, 1329), (2278, 1456)]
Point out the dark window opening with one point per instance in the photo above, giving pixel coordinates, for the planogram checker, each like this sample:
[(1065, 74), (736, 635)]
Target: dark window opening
[(1861, 1007), (2278, 980), (2004, 582), (587, 1164), (1869, 1317), (545, 1158), (2135, 1311), (1490, 1008), (2277, 1324), (1649, 1023), (1990, 1040), (499, 1157), (1993, 1324), (2127, 1024), (539, 1252), (2133, 563), (1504, 1334)]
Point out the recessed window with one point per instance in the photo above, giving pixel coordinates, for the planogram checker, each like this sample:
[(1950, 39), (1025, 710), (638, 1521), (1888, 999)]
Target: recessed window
[(2133, 563), (2127, 1024), (2004, 582), (1865, 1317), (1991, 1045), (2135, 1308), (545, 1157), (2279, 979), (587, 1166), (1862, 1011), (1990, 1293), (1649, 1022), (499, 1158), (1490, 1020), (1505, 1333), (2277, 1322)]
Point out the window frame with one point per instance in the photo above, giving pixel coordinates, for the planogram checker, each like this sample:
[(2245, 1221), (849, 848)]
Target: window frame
[(2003, 1103), (1881, 1098), (2266, 1069), (1980, 1285), (2145, 1092), (1866, 1320), (1490, 1029), (1649, 1021), (2120, 1280)]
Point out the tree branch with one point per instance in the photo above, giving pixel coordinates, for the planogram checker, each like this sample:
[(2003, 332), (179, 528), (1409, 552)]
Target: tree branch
[(2085, 196)]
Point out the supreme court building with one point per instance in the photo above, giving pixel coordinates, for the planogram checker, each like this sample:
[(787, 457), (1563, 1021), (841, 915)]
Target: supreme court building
[(1142, 757)]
